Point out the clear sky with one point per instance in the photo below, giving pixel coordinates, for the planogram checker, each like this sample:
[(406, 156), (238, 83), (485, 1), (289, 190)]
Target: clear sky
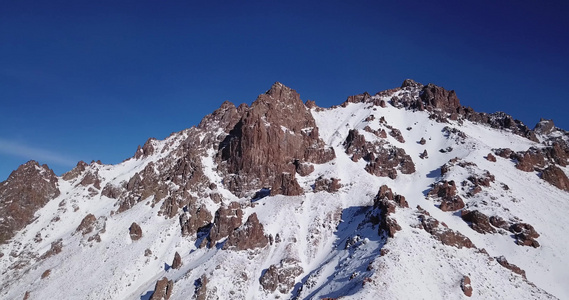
[(89, 80)]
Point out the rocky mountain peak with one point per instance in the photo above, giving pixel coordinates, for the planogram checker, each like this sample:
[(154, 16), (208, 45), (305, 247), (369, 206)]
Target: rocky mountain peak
[(279, 91), (26, 190), (277, 130), (440, 98), (544, 126), (411, 83)]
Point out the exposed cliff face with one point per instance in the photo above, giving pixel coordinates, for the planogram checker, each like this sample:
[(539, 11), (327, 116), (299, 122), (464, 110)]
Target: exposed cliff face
[(25, 191), (277, 130)]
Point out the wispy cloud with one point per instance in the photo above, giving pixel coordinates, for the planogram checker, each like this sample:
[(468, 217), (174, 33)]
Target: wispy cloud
[(20, 150)]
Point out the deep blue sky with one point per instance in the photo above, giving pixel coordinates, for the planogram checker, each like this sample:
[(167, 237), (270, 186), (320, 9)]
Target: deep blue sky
[(88, 80)]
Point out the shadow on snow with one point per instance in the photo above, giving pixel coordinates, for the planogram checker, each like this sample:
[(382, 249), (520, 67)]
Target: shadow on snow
[(357, 244)]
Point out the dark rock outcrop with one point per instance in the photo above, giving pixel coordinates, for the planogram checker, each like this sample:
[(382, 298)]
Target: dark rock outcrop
[(330, 185), (504, 263), (249, 236), (442, 233), (266, 141), (194, 218), (92, 227), (396, 133), (384, 205), (525, 234), (281, 276), (286, 184), (226, 220), (528, 160), (478, 221), (91, 178), (56, 248), (87, 224), (75, 172), (162, 289), (439, 98), (444, 105), (544, 126), (499, 222), (111, 191), (383, 159), (303, 169), (201, 288), (555, 176), (146, 150), (26, 190), (446, 191)]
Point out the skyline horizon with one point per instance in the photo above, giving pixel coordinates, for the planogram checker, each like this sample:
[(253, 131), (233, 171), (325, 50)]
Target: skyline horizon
[(89, 81), (64, 164)]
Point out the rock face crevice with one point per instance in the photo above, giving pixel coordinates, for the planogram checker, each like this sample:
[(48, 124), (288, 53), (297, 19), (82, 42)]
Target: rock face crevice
[(274, 133)]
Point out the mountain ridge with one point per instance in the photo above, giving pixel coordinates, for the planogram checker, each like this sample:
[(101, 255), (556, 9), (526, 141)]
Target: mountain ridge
[(352, 181)]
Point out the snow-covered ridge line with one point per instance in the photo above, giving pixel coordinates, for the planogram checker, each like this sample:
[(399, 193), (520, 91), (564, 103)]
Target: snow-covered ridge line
[(317, 224)]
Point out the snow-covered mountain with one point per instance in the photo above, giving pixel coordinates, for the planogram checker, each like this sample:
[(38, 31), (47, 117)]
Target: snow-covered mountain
[(405, 194)]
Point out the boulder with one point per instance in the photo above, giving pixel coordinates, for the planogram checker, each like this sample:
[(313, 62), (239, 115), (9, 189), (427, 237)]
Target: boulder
[(465, 286), (177, 262), (135, 231)]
